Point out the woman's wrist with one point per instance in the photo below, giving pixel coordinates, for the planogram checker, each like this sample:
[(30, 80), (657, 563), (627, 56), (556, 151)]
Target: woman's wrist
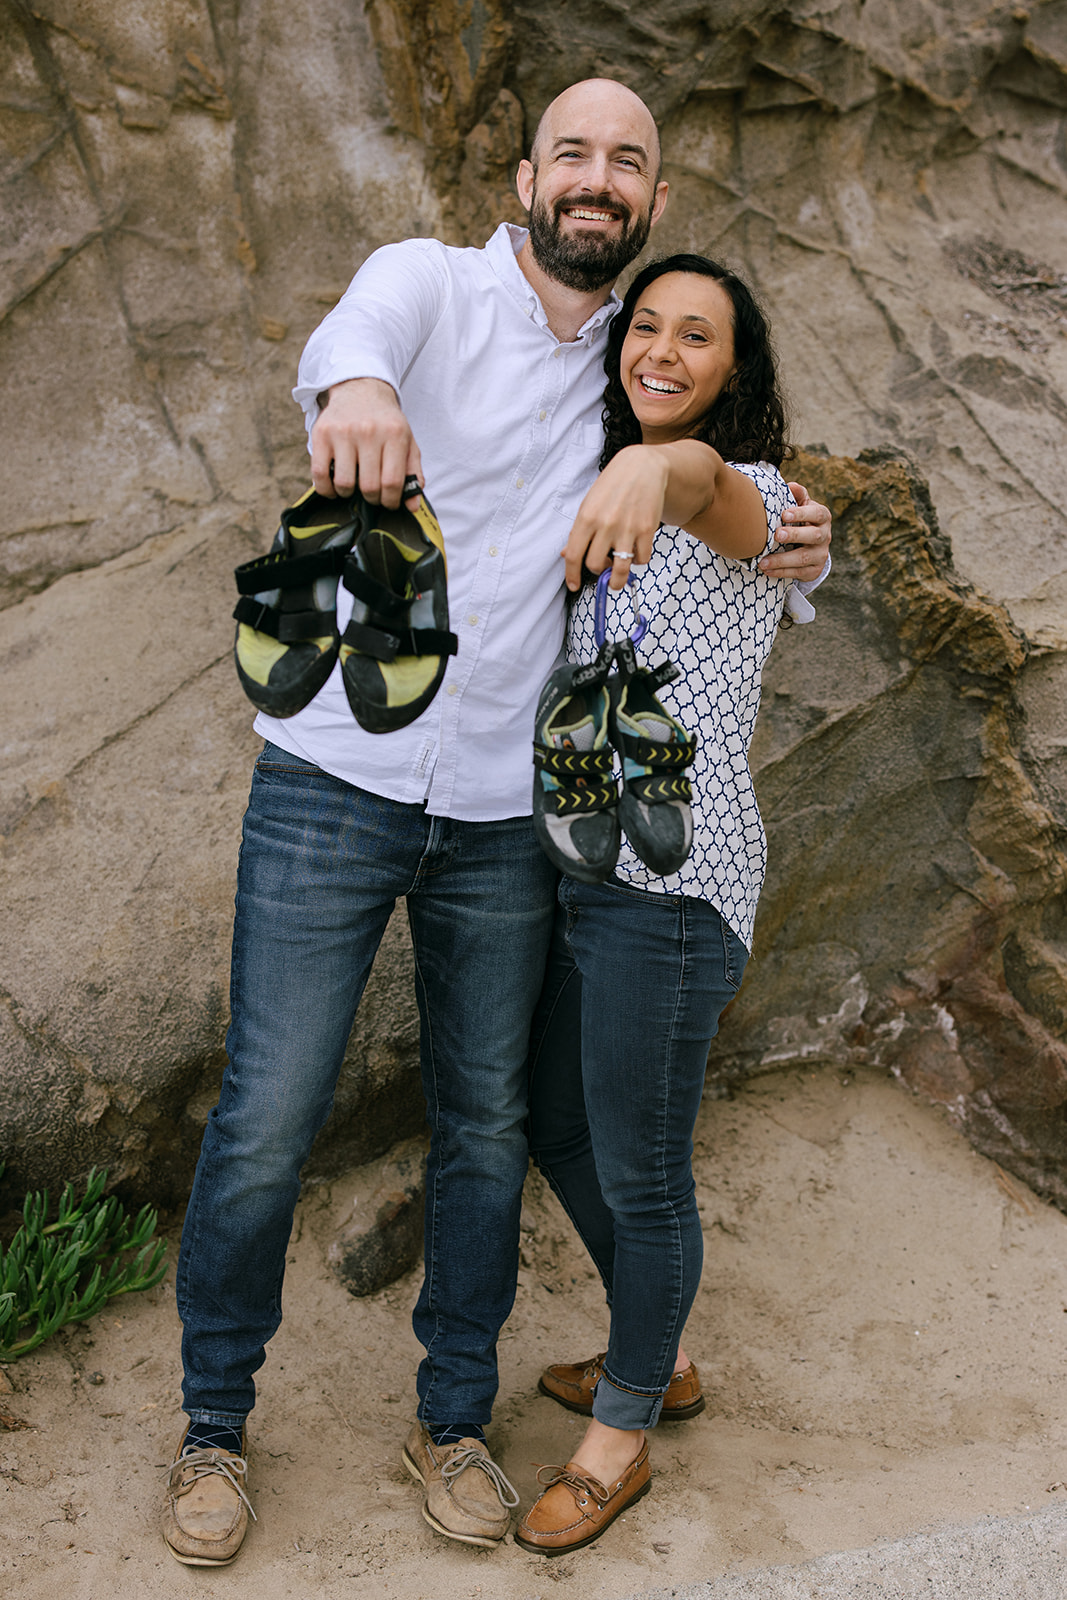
[(694, 471)]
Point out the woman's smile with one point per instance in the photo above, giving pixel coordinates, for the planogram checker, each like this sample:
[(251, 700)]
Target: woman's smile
[(659, 385)]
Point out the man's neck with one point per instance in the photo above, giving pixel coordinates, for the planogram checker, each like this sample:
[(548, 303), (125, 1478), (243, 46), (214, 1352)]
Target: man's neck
[(566, 310)]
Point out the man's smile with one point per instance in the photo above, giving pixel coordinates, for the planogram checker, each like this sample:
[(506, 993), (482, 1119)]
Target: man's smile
[(589, 214)]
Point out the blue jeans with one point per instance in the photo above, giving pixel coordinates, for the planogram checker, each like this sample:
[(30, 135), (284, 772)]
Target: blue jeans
[(321, 866), (635, 987)]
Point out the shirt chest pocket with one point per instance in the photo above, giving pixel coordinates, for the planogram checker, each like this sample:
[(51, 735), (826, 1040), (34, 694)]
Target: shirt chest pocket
[(578, 467)]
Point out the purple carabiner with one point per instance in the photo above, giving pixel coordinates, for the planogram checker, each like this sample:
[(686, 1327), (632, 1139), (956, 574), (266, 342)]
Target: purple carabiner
[(600, 612)]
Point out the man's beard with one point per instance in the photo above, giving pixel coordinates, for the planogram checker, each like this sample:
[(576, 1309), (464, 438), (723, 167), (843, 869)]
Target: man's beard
[(586, 260)]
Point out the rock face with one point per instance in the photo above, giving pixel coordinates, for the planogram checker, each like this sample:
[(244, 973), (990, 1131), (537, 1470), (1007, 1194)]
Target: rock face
[(188, 187), (912, 914), (122, 796), (380, 1231)]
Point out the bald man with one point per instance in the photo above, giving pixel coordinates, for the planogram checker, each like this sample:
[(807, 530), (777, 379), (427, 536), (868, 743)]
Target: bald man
[(480, 371)]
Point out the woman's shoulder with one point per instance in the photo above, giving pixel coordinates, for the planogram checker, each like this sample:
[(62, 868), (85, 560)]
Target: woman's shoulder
[(768, 480)]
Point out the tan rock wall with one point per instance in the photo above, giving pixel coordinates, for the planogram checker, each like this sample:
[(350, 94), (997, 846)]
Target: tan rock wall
[(184, 190), (912, 916)]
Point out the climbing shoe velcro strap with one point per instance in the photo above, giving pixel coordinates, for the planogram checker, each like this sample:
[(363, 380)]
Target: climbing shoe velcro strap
[(666, 672), (376, 596), (652, 753), (658, 786), (280, 571), (581, 797), (387, 644), (563, 763), (288, 627), (594, 673)]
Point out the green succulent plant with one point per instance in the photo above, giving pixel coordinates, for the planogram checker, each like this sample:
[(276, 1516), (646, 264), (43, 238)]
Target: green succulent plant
[(67, 1270)]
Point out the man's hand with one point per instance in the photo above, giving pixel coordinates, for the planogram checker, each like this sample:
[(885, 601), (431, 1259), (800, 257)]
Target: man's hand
[(362, 435), (807, 526)]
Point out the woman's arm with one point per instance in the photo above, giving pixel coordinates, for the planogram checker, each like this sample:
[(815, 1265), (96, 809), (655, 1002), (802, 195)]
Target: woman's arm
[(686, 484)]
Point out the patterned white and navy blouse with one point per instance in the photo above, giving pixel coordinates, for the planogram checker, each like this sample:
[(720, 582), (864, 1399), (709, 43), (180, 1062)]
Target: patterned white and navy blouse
[(716, 619)]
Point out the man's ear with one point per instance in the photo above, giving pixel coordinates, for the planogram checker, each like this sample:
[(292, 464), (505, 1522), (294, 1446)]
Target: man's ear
[(659, 202), (524, 183)]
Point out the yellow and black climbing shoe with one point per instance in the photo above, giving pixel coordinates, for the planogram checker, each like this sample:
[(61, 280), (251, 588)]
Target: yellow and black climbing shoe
[(655, 750), (287, 639), (575, 796), (396, 647)]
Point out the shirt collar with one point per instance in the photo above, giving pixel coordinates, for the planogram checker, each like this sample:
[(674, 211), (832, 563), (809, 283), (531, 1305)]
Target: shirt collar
[(502, 249)]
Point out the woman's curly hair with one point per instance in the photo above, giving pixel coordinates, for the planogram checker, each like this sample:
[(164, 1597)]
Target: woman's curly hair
[(748, 420)]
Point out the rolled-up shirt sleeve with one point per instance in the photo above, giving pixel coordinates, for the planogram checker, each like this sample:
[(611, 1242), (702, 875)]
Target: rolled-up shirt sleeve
[(378, 326), (797, 603)]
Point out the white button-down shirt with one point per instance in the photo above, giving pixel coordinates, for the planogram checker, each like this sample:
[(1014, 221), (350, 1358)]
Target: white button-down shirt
[(508, 423)]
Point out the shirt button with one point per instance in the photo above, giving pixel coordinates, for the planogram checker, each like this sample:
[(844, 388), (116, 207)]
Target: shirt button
[(557, 352), (519, 482), (492, 549), (473, 620), (453, 688), (541, 415)]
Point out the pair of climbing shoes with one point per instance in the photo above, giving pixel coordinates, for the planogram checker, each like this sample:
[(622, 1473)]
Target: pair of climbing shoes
[(585, 714), (395, 649)]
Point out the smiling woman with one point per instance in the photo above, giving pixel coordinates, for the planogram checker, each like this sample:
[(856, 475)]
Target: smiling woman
[(692, 387), (745, 420), (653, 928)]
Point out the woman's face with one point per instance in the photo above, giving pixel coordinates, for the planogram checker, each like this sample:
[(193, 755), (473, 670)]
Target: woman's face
[(678, 354)]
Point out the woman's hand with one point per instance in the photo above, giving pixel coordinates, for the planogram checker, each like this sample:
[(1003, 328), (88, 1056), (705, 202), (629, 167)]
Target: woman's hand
[(684, 483), (621, 513), (807, 526)]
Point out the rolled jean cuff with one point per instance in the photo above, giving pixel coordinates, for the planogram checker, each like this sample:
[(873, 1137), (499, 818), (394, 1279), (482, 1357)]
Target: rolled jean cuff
[(617, 1407), (219, 1419)]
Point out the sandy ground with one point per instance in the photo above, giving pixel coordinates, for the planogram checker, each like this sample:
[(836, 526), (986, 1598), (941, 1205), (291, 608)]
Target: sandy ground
[(881, 1331)]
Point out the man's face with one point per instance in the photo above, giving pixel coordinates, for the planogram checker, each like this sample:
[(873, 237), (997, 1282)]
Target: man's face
[(592, 192), (585, 240)]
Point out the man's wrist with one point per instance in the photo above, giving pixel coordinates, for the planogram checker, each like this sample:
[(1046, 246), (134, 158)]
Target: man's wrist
[(806, 585), (383, 390)]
